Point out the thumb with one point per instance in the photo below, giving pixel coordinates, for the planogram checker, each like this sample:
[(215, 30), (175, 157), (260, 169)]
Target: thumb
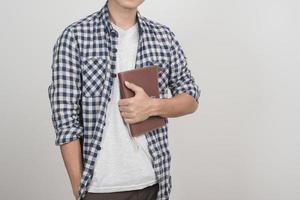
[(133, 86)]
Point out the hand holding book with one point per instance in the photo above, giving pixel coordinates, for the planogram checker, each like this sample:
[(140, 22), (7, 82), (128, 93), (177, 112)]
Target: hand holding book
[(147, 78)]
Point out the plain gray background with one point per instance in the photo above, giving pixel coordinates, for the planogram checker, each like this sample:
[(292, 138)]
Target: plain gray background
[(241, 144)]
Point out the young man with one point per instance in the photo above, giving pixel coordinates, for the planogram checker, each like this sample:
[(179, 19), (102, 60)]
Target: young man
[(101, 159)]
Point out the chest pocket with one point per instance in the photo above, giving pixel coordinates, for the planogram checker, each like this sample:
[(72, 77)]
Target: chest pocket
[(93, 76), (163, 75)]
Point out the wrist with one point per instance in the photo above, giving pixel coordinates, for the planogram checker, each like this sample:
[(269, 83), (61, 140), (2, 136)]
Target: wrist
[(76, 191), (75, 185), (155, 108), (76, 194)]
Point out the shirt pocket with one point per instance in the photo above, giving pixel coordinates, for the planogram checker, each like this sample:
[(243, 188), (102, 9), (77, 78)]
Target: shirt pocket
[(93, 76), (163, 75)]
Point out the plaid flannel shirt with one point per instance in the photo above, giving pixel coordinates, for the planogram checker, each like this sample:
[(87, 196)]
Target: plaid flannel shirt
[(83, 70)]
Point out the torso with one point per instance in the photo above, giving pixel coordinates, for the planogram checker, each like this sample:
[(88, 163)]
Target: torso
[(120, 166)]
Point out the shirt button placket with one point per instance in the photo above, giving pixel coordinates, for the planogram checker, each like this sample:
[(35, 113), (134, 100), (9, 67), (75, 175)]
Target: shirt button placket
[(114, 34), (113, 74)]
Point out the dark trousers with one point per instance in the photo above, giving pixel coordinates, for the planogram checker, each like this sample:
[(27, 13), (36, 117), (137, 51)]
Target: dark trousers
[(148, 193)]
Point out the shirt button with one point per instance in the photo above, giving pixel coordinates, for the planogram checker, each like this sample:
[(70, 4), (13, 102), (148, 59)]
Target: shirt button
[(113, 33), (98, 147)]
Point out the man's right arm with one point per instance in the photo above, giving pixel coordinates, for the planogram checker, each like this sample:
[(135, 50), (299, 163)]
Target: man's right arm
[(65, 97)]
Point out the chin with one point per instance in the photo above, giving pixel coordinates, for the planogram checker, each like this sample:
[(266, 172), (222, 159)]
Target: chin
[(129, 4)]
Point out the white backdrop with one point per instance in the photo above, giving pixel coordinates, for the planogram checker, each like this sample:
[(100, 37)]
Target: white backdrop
[(241, 144)]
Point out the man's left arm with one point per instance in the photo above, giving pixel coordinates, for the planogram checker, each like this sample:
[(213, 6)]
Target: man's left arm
[(184, 89)]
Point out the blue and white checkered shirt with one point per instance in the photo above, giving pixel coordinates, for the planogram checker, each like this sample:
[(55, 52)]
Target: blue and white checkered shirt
[(83, 70)]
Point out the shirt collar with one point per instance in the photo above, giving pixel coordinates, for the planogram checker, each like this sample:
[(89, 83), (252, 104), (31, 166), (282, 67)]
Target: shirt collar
[(108, 28)]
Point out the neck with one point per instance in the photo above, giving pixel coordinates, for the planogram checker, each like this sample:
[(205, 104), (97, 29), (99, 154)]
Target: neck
[(120, 16)]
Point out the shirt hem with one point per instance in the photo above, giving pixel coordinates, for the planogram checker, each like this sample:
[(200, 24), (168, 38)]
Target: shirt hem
[(120, 188)]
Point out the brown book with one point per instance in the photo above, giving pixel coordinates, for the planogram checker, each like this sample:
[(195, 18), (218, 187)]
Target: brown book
[(147, 78)]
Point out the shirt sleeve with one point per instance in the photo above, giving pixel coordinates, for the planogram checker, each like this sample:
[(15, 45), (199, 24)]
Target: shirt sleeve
[(181, 78), (64, 91)]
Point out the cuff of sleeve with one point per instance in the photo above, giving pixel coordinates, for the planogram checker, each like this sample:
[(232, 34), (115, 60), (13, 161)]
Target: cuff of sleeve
[(67, 135), (194, 91)]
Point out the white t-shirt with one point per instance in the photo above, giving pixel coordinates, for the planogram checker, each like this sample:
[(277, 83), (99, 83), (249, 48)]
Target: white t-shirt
[(120, 165)]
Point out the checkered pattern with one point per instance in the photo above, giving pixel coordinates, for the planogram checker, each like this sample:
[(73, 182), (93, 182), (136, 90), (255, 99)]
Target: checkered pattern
[(83, 70)]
